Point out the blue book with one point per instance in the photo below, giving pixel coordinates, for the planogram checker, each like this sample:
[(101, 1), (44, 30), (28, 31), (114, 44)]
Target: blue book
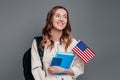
[(67, 59), (62, 59)]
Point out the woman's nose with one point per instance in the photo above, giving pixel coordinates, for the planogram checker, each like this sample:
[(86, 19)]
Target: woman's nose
[(61, 18)]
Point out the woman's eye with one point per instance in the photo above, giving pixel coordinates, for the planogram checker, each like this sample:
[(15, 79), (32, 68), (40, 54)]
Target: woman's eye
[(65, 17), (57, 15)]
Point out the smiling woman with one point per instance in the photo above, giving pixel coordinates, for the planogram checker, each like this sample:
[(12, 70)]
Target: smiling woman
[(55, 33), (60, 19)]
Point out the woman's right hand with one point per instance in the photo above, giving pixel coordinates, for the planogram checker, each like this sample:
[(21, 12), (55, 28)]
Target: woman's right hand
[(56, 69)]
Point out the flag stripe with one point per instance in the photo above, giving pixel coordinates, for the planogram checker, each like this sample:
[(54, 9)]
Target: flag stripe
[(91, 51), (87, 54), (79, 54), (81, 57), (88, 51), (82, 53)]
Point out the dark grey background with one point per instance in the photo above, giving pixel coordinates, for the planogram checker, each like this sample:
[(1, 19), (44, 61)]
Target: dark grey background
[(96, 22)]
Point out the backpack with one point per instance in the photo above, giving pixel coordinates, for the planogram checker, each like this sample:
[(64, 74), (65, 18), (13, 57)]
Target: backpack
[(27, 60)]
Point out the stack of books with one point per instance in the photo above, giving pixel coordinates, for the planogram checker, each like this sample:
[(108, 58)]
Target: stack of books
[(63, 59)]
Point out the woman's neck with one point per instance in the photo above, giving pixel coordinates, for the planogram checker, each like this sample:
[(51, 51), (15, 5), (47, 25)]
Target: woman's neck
[(56, 34)]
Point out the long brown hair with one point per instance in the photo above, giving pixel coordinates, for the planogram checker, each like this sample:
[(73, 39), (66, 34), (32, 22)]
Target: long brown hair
[(46, 32)]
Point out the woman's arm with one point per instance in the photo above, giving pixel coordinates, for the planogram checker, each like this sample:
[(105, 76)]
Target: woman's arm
[(58, 69), (76, 69), (36, 66), (78, 65)]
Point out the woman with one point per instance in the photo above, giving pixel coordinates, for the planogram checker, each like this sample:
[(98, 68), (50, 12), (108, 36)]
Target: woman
[(55, 33)]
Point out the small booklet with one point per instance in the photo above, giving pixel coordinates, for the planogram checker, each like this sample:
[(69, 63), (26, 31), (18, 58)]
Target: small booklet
[(56, 61)]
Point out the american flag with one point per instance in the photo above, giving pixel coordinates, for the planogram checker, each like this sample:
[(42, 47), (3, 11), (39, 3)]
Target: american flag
[(83, 51)]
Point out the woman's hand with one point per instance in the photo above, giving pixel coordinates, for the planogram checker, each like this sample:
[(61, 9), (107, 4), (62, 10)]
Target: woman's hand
[(56, 69)]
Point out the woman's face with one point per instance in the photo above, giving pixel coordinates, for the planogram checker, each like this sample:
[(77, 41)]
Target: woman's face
[(59, 19)]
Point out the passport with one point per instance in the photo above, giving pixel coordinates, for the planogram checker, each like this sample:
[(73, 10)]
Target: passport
[(56, 61)]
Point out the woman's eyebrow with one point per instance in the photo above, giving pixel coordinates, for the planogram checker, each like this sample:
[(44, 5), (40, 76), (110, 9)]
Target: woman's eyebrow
[(59, 14)]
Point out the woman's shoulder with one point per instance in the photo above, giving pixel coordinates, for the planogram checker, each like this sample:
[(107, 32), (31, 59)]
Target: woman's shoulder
[(74, 40), (37, 39)]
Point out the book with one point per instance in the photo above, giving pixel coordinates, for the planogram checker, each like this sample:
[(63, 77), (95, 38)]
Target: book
[(56, 61), (67, 59), (62, 59)]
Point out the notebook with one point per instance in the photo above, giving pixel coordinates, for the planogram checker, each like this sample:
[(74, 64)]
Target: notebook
[(67, 59), (63, 59)]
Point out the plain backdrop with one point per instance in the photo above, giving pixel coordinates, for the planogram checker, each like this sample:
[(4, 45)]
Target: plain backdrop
[(96, 22)]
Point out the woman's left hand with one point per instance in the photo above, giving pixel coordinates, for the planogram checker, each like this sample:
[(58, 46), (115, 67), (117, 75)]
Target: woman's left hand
[(56, 69)]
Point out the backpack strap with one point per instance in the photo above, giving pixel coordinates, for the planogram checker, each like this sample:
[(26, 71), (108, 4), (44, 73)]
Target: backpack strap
[(41, 53)]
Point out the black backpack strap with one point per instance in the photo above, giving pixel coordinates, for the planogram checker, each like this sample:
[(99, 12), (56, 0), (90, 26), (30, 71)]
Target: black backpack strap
[(41, 53)]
